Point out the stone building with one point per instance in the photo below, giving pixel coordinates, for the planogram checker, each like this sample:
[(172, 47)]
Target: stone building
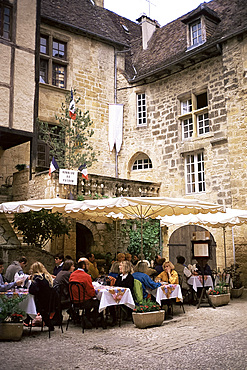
[(183, 91)]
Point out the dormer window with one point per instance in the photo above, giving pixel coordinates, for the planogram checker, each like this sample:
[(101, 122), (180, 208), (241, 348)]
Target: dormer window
[(196, 33), (201, 24)]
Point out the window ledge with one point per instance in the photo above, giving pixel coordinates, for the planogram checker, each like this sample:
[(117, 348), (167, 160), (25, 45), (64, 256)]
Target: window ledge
[(54, 88), (219, 141), (142, 126), (195, 46)]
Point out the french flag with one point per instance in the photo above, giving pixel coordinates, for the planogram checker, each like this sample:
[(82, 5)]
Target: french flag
[(83, 170), (53, 166), (72, 106)]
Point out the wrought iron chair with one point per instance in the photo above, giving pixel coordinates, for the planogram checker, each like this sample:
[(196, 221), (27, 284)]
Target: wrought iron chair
[(77, 303)]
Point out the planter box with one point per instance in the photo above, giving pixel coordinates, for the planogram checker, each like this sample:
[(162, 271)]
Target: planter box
[(11, 331), (236, 293), (146, 319), (220, 300)]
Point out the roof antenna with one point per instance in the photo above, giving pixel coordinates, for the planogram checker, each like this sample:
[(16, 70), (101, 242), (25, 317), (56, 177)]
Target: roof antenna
[(149, 3)]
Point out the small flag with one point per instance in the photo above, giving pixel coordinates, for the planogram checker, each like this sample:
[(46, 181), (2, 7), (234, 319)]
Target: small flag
[(53, 166), (72, 106), (83, 170)]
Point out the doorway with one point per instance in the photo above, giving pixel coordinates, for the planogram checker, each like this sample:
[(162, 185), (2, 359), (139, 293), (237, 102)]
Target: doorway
[(180, 244), (84, 240)]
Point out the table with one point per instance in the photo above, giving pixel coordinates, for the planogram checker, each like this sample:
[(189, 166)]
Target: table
[(167, 291), (28, 304), (112, 295), (197, 282)]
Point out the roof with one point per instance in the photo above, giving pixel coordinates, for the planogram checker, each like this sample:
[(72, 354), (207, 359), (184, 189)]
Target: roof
[(168, 45)]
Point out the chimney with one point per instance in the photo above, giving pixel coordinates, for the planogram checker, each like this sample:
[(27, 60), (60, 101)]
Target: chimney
[(148, 28), (99, 3)]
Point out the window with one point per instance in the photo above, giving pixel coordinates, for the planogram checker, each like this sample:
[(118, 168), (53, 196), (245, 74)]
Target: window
[(194, 172), (143, 162), (141, 110), (194, 116), (196, 33), (53, 64), (5, 21)]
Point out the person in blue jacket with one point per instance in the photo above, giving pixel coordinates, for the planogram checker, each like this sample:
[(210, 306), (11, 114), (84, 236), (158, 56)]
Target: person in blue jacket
[(141, 275)]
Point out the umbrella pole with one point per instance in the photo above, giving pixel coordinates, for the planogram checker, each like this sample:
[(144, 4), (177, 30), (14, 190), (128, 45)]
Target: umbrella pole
[(141, 238), (224, 237), (116, 238), (233, 247)]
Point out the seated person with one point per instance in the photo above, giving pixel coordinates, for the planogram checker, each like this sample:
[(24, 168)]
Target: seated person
[(41, 288), (169, 275), (141, 275), (4, 286), (59, 261), (92, 269), (149, 271), (15, 267), (62, 280), (182, 271), (203, 268), (114, 270), (125, 279), (159, 265), (91, 303)]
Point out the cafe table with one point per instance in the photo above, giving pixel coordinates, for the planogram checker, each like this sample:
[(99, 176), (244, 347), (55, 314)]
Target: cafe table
[(28, 304), (112, 296), (166, 291), (197, 281)]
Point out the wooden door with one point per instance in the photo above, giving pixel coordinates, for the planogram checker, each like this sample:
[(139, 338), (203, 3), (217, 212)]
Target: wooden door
[(180, 244)]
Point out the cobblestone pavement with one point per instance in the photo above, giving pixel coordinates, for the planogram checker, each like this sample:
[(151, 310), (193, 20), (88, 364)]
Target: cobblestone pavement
[(203, 338)]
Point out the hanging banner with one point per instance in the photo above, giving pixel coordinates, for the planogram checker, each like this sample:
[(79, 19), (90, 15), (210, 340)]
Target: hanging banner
[(68, 177)]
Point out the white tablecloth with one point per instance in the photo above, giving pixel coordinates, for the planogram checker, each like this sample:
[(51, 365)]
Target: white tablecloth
[(167, 291), (28, 304), (196, 281), (112, 295)]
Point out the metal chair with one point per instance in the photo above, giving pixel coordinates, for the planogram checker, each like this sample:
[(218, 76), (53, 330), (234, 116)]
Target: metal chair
[(181, 304), (77, 303)]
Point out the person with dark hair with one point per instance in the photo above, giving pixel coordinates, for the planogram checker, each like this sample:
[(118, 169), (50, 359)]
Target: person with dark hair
[(59, 261), (92, 269), (4, 286), (62, 280), (183, 271), (159, 264), (15, 267), (81, 276)]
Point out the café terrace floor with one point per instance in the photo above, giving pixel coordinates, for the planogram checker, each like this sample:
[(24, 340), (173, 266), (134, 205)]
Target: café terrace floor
[(200, 339)]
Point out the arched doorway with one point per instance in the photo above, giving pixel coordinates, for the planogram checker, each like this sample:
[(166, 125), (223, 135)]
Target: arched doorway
[(84, 240), (180, 244)]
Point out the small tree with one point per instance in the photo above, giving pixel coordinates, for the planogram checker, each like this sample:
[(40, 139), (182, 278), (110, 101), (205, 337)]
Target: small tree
[(38, 228), (69, 140), (150, 236)]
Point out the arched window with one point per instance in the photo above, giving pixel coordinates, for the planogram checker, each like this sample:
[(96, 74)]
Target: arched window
[(142, 162)]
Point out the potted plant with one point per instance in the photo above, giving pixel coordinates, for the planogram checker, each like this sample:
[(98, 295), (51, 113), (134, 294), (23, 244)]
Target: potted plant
[(11, 317), (148, 314), (237, 285), (219, 296)]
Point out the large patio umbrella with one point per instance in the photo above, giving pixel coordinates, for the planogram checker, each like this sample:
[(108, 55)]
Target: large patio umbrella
[(232, 217), (139, 208), (104, 210)]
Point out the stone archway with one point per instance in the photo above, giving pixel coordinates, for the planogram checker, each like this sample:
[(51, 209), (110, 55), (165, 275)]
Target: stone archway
[(180, 244), (86, 236)]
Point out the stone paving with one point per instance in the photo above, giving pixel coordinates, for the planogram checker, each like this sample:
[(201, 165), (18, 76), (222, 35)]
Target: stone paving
[(203, 338)]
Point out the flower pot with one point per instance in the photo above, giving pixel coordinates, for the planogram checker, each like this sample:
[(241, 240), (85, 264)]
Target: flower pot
[(146, 319), (11, 331), (236, 293), (220, 299)]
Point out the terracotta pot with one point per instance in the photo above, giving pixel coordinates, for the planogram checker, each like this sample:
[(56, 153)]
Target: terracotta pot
[(146, 319), (220, 300), (236, 293), (11, 331)]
